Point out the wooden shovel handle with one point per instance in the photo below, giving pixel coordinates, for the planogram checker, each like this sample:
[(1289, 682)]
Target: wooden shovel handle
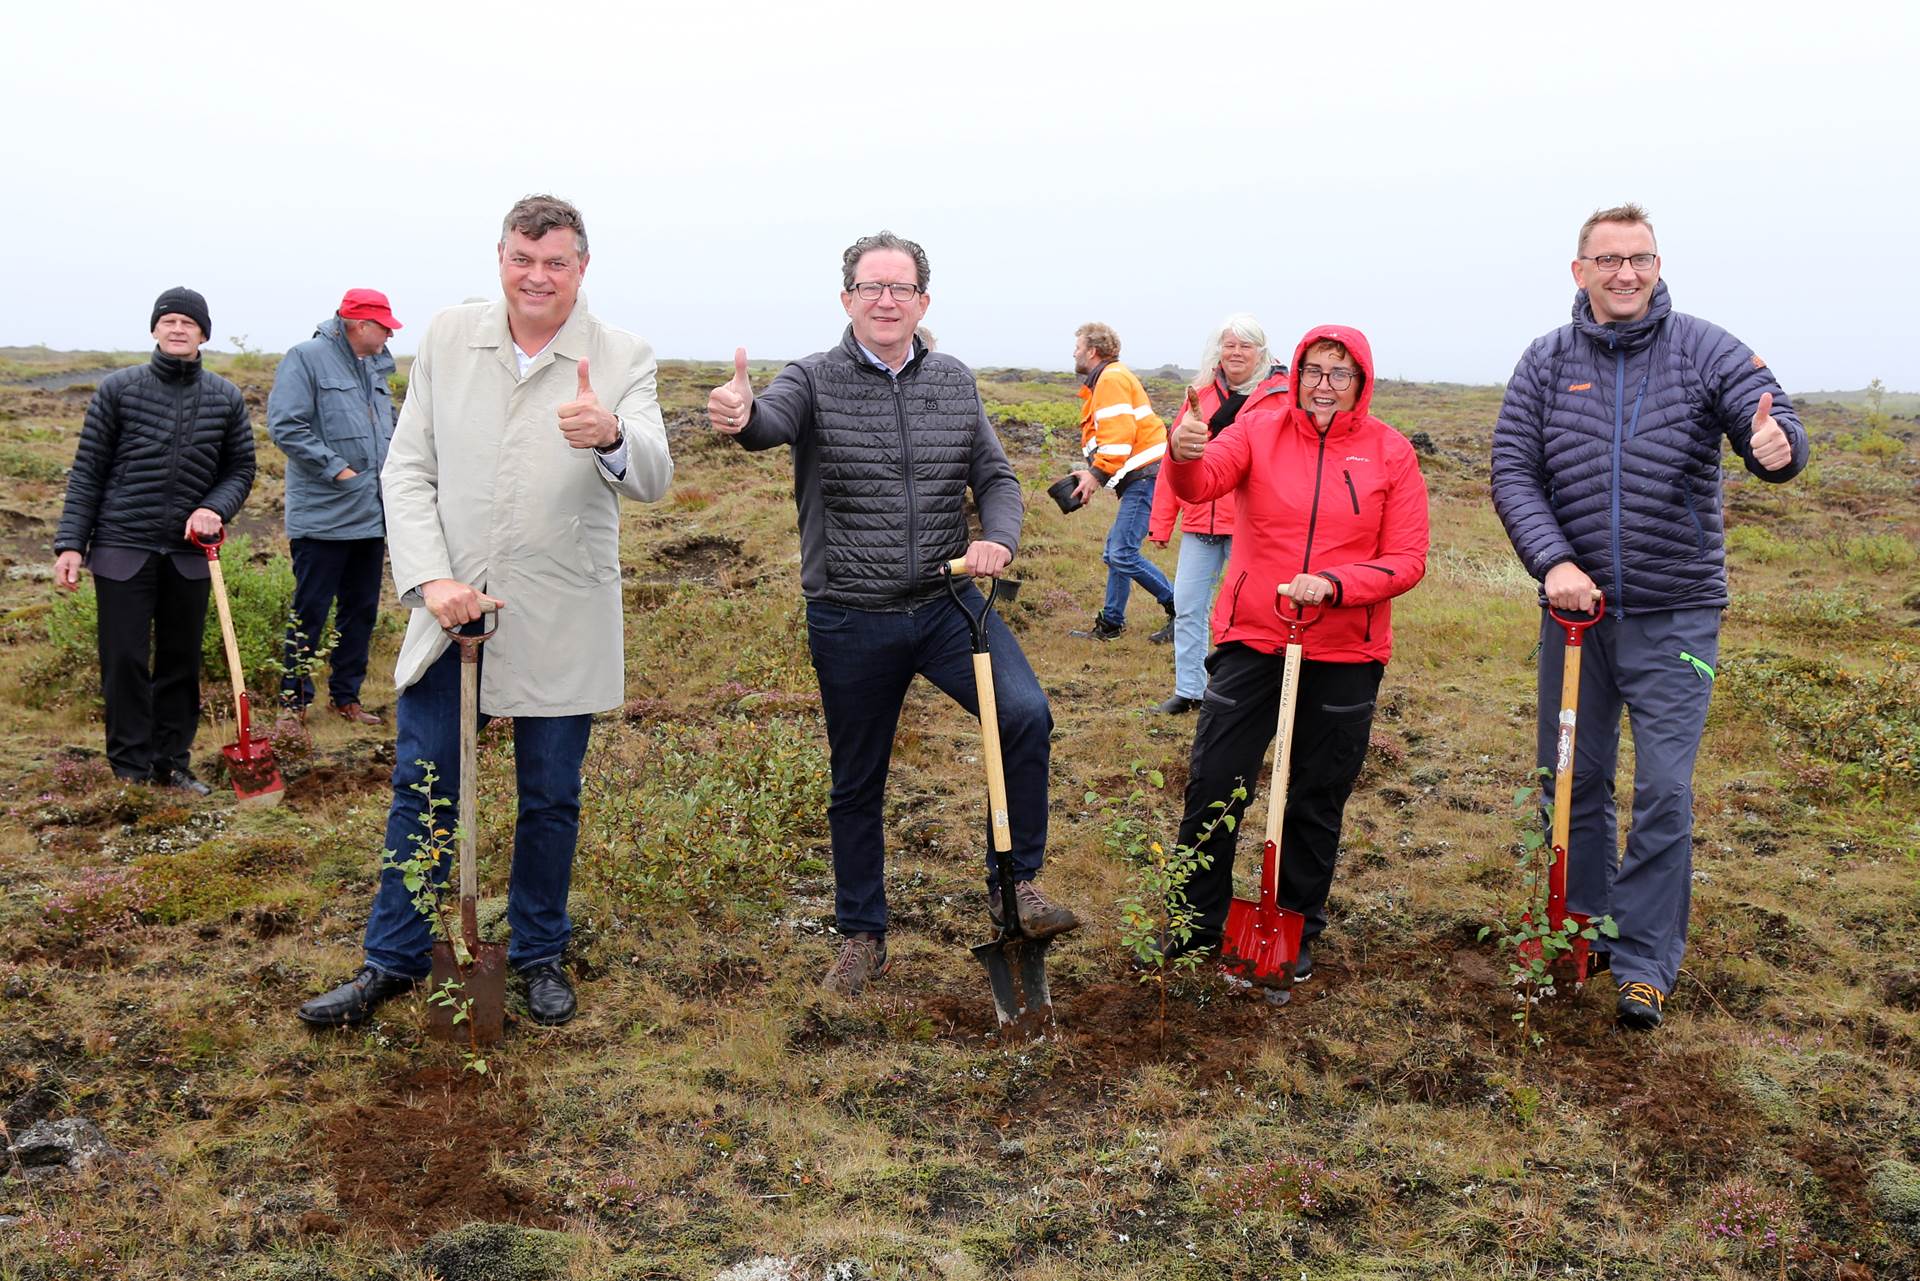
[(1283, 753)]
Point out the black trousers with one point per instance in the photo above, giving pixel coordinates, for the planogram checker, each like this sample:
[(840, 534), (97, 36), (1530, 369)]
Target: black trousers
[(1333, 713), (326, 570), (150, 630)]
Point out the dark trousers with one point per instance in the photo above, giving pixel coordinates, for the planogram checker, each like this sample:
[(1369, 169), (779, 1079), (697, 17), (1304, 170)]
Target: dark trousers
[(150, 630), (326, 570), (865, 660), (1333, 713), (1633, 663), (547, 752)]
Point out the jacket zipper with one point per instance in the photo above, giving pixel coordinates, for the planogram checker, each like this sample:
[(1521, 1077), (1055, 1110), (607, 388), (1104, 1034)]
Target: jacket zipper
[(1351, 492), (1623, 431), (913, 505), (1313, 512)]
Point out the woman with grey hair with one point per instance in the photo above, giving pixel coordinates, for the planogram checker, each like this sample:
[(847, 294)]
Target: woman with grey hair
[(1236, 371)]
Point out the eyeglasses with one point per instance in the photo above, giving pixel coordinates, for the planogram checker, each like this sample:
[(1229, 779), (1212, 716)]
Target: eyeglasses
[(1611, 263), (1339, 378), (872, 289)]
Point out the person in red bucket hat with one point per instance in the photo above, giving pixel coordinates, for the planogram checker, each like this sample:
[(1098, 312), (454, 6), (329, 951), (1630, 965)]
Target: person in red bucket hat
[(331, 412)]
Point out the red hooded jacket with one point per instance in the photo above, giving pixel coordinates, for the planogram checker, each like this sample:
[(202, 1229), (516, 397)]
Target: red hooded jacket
[(1214, 516), (1349, 505)]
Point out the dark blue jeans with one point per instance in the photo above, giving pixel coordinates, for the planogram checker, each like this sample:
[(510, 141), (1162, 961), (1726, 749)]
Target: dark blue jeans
[(866, 660), (547, 752), (1125, 565), (326, 570)]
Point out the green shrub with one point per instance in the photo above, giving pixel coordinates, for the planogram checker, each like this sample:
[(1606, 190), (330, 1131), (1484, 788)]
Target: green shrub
[(24, 464), (1866, 722), (1874, 444), (1757, 541), (261, 598), (1880, 552), (716, 818)]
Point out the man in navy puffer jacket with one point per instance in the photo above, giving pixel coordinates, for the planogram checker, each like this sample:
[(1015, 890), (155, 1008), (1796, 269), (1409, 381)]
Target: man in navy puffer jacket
[(1606, 473)]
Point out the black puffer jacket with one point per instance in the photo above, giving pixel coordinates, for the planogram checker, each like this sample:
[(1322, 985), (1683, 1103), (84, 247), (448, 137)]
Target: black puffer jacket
[(160, 440), (881, 466)]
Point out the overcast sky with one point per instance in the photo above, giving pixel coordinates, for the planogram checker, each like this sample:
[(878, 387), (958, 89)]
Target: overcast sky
[(1417, 171)]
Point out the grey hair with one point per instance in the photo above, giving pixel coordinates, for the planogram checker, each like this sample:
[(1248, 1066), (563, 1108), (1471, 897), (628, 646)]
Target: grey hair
[(536, 216), (1629, 213), (1243, 326), (884, 240)]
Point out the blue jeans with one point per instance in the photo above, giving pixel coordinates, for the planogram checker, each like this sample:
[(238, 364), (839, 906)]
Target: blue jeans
[(865, 660), (1203, 558), (1125, 564), (1634, 663), (547, 752)]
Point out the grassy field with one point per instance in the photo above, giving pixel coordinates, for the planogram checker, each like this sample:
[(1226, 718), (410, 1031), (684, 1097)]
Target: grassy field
[(709, 1113)]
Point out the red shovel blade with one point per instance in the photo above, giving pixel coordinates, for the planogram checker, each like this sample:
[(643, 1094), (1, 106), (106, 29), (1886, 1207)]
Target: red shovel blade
[(1262, 939), (256, 778)]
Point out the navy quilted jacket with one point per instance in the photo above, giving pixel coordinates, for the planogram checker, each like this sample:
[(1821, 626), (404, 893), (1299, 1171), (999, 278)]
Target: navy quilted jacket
[(1607, 452)]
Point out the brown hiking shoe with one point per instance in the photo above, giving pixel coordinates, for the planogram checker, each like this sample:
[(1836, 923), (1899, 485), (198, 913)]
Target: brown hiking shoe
[(862, 957), (1040, 918)]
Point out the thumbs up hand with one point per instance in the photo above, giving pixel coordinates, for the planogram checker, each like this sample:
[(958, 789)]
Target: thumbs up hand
[(1772, 448), (584, 421), (731, 404)]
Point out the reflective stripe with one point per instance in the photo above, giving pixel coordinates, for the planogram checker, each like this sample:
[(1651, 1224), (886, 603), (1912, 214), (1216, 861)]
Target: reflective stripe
[(1116, 449), (1143, 411), (1111, 410), (1151, 454)]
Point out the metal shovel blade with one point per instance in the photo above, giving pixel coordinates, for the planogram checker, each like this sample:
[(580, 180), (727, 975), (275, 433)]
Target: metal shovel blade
[(993, 955), (1033, 979), (484, 984)]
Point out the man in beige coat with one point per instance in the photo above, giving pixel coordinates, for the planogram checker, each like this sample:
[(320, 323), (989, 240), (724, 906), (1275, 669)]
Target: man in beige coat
[(525, 421)]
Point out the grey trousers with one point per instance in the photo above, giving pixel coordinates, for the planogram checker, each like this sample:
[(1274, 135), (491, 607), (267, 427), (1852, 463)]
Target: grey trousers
[(1635, 663)]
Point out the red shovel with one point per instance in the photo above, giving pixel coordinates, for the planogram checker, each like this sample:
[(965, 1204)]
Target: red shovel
[(1263, 939), (1557, 914), (250, 763)]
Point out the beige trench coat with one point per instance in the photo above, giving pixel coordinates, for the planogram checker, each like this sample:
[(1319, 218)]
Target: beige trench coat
[(480, 486)]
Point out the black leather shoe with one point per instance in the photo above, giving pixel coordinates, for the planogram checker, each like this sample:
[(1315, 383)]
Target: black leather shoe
[(1303, 964), (181, 780), (550, 997), (1178, 705), (353, 1002)]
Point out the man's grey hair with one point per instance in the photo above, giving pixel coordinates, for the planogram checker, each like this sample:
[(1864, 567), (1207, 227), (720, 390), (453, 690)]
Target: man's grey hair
[(1243, 326), (884, 240), (1628, 213), (536, 216)]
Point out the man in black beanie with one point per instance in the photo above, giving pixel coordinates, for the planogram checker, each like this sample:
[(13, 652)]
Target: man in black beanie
[(166, 454)]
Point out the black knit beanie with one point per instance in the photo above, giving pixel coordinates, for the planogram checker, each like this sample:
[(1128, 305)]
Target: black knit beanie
[(182, 301)]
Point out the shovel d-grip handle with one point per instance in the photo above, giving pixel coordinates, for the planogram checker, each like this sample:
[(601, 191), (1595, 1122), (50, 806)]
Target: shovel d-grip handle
[(951, 573), (1574, 625), (210, 547), (1297, 616)]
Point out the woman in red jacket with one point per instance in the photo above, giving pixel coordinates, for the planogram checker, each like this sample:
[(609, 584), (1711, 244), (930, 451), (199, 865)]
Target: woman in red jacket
[(1330, 511), (1237, 375)]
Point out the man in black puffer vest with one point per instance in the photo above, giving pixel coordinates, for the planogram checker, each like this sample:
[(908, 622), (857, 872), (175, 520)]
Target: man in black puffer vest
[(166, 453), (887, 437)]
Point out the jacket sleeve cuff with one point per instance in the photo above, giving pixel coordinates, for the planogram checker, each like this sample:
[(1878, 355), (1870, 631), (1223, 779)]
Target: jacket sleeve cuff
[(1339, 588)]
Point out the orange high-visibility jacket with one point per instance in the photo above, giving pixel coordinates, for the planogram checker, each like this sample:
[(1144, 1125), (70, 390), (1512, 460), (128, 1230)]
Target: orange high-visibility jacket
[(1119, 432)]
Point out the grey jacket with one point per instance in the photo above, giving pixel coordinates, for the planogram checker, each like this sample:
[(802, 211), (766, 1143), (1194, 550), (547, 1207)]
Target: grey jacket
[(329, 411), (881, 467)]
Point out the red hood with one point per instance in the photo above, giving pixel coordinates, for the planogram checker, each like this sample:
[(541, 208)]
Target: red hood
[(1362, 352)]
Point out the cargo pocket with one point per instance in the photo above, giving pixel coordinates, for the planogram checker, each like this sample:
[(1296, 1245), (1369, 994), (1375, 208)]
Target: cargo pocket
[(1331, 757)]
